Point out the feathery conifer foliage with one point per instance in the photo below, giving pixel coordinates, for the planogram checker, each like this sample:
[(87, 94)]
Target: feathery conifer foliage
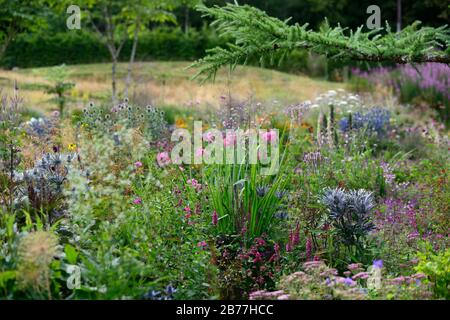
[(257, 35)]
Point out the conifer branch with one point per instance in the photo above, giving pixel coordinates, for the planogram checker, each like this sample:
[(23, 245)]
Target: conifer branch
[(268, 39)]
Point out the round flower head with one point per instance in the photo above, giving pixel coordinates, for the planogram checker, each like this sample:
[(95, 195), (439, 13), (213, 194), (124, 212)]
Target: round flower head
[(378, 264), (163, 159)]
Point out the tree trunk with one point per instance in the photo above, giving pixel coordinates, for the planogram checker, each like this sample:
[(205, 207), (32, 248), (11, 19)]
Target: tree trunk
[(113, 80), (3, 47), (5, 44), (132, 56), (186, 20), (399, 15)]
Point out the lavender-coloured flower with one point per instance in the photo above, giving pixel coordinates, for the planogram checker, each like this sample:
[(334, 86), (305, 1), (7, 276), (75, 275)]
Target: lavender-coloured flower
[(378, 264)]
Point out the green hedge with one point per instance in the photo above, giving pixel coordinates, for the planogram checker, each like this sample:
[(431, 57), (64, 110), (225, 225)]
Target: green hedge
[(78, 47), (75, 47)]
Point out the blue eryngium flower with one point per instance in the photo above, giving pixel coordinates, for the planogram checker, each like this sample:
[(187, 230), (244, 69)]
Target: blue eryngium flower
[(375, 120), (281, 215), (158, 295), (350, 213), (261, 191), (170, 290)]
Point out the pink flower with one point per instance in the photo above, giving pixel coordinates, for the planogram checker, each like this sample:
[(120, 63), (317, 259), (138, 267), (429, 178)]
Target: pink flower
[(269, 136), (360, 275), (354, 266), (276, 248), (208, 136), (199, 152), (215, 218), (55, 114), (195, 184), (202, 244), (138, 164), (163, 159), (258, 257), (137, 201), (288, 247), (187, 209), (260, 241), (229, 140)]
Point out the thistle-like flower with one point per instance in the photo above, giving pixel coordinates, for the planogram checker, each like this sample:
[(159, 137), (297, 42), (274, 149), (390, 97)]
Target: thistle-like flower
[(350, 213), (36, 252)]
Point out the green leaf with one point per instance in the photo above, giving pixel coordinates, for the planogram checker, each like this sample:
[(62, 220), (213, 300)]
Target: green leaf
[(71, 254)]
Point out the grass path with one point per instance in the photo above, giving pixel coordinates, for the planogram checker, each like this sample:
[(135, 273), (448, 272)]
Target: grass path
[(167, 83)]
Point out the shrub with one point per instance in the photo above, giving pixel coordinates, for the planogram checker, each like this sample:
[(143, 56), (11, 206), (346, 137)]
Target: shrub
[(76, 47), (436, 266)]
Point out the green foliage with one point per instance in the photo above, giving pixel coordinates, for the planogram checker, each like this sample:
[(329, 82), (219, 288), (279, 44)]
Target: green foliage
[(149, 120), (245, 203), (126, 249), (58, 75), (257, 35), (16, 17), (436, 265), (77, 47)]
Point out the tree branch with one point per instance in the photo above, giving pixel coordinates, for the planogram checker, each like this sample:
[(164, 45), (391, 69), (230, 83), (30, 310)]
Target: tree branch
[(257, 35)]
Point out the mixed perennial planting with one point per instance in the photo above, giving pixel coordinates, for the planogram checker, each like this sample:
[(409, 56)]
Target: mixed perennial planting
[(350, 214)]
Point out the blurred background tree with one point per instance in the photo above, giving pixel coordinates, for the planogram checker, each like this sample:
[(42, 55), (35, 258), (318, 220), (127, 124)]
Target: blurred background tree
[(58, 77), (146, 30), (19, 16)]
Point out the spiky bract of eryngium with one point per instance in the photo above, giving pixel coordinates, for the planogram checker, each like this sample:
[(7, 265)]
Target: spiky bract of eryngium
[(350, 213)]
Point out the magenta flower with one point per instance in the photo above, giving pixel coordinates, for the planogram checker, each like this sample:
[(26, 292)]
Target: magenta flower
[(257, 258), (276, 249), (138, 164), (215, 218), (137, 201), (308, 248)]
